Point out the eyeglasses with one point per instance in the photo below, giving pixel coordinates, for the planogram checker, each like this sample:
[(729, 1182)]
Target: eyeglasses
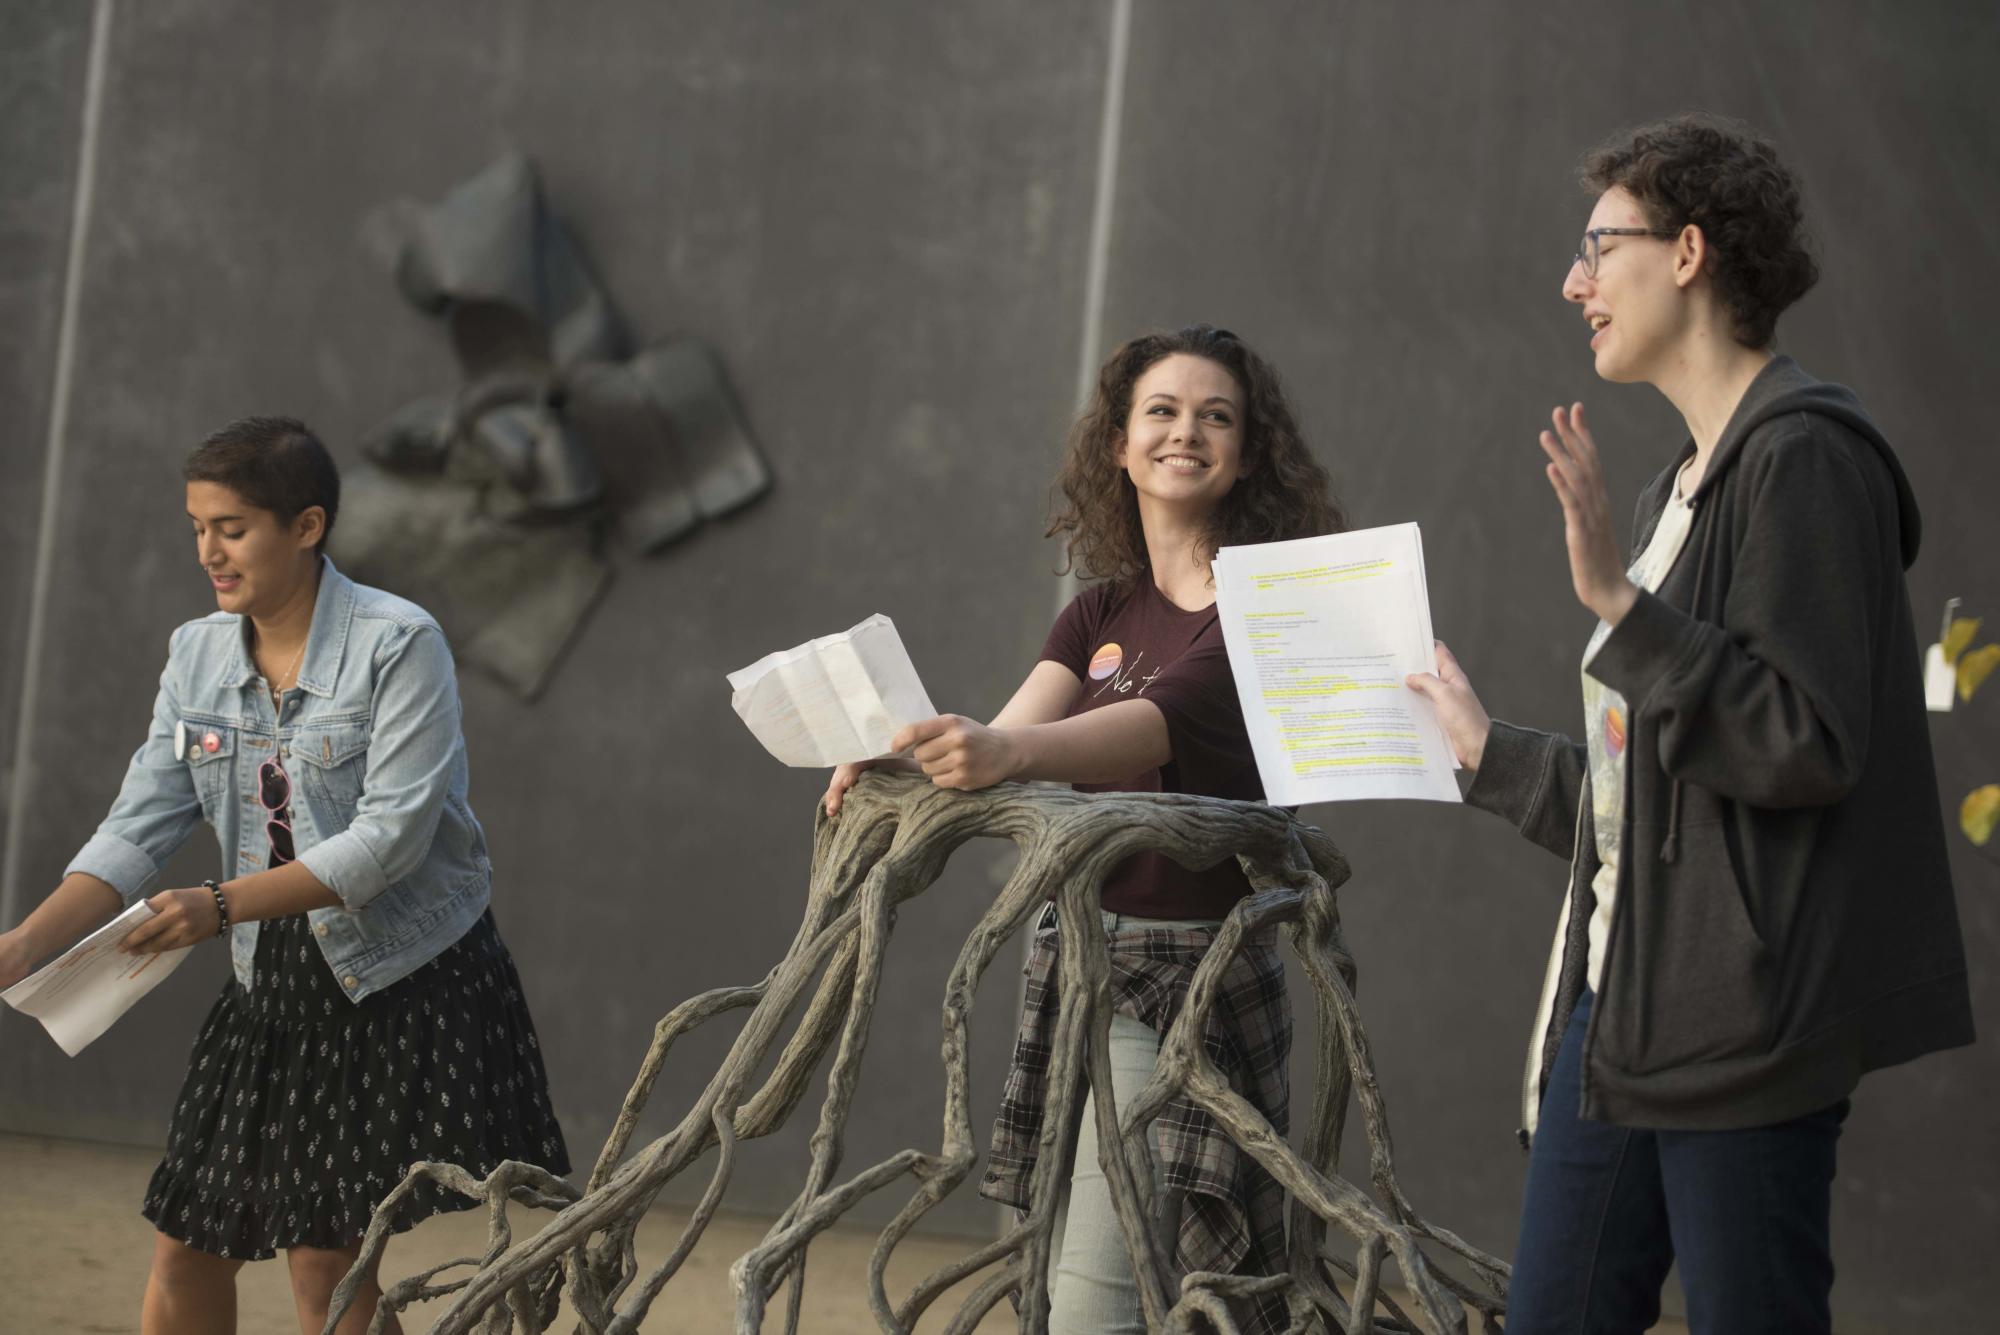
[(274, 791), (1588, 256)]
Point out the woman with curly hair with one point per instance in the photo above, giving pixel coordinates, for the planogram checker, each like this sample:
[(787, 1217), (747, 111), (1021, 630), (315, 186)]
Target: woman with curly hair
[(1188, 445), (1759, 907)]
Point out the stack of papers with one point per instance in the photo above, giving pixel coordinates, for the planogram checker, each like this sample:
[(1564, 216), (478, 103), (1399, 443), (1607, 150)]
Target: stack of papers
[(1321, 632), (835, 700), (78, 996)]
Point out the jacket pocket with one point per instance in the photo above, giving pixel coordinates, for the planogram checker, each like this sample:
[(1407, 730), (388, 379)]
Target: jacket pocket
[(1696, 981), (333, 763), (396, 913), (210, 768)]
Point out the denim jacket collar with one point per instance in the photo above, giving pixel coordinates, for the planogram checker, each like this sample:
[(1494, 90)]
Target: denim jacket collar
[(326, 642)]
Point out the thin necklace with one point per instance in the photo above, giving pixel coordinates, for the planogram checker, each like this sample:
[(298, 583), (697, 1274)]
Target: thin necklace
[(277, 688)]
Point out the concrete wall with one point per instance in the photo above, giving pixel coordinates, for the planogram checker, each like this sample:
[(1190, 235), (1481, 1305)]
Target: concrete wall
[(881, 240), (881, 218), (1382, 196), (43, 50)]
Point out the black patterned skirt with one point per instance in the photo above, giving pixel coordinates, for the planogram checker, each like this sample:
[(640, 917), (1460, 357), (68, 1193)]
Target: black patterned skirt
[(301, 1110)]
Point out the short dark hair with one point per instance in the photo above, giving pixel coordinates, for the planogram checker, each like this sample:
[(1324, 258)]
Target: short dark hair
[(1726, 179), (275, 463)]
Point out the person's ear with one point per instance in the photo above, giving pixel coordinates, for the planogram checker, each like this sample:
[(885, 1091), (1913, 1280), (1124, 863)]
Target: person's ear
[(1690, 250), (309, 527)]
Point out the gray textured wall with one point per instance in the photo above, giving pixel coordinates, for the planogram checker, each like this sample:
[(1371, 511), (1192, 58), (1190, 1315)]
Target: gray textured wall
[(1381, 195), (881, 217)]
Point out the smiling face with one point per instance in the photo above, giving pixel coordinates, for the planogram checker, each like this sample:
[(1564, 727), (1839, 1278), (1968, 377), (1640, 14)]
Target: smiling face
[(254, 562), (1637, 304), (1182, 445)]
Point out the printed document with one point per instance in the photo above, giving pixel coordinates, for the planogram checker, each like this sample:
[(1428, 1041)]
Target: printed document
[(78, 996), (838, 699), (1321, 632)]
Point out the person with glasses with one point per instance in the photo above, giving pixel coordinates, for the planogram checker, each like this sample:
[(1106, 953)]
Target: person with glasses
[(1759, 907), (373, 1016), (1188, 444)]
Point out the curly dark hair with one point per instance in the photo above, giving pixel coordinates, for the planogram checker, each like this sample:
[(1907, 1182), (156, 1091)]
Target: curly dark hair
[(1282, 491), (1726, 179)]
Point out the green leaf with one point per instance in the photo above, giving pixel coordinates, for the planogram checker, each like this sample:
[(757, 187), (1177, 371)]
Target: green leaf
[(1974, 668), (1980, 811), (1958, 636)]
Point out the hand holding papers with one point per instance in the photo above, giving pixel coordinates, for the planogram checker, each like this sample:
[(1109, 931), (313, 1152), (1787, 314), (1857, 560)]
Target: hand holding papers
[(78, 996), (838, 699), (1320, 633)]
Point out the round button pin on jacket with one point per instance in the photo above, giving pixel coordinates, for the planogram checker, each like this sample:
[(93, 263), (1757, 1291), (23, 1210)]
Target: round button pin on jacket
[(211, 743)]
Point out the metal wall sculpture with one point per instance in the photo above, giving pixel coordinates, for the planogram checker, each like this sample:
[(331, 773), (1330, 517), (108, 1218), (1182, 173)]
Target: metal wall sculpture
[(497, 505), (891, 842)]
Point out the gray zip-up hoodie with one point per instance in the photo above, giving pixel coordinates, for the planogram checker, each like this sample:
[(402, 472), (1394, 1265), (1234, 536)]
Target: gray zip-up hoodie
[(1784, 918)]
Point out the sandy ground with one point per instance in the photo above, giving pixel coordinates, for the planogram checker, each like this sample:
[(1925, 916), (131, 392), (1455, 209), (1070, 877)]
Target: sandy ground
[(74, 1251)]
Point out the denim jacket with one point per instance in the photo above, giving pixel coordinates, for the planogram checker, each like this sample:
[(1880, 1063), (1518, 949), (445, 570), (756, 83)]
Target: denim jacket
[(370, 739)]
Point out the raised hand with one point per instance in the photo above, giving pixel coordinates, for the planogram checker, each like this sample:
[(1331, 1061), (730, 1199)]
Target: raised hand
[(1574, 470)]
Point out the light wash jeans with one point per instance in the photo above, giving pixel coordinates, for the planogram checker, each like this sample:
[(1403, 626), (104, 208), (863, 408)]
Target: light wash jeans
[(1093, 1290)]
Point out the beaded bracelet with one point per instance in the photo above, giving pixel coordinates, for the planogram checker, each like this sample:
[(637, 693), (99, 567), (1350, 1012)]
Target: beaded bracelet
[(221, 908)]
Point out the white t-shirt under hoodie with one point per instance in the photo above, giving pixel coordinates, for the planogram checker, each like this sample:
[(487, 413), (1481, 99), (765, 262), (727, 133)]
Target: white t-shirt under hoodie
[(1604, 720)]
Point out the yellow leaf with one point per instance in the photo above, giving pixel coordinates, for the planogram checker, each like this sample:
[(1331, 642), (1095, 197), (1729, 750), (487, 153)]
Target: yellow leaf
[(1975, 667), (1980, 811), (1958, 636)]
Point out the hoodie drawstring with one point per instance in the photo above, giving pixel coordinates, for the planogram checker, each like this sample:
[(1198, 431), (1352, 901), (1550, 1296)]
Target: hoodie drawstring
[(1670, 847)]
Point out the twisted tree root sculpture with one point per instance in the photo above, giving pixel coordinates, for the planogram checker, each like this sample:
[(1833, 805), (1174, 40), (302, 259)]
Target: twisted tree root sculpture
[(890, 843)]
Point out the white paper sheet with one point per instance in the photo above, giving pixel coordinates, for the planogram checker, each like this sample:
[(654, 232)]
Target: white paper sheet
[(80, 994), (838, 699), (1320, 633)]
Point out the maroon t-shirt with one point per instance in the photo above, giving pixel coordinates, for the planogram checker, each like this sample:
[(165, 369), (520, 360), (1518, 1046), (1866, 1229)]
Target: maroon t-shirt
[(1133, 644)]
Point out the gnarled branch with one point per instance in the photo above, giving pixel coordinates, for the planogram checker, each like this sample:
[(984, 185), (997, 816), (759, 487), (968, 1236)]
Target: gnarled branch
[(894, 836)]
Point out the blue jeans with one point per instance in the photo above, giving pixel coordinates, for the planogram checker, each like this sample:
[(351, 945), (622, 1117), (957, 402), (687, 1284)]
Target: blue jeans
[(1610, 1208), (1092, 1290)]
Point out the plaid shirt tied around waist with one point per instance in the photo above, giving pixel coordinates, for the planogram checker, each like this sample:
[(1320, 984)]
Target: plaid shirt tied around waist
[(1233, 1213)]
